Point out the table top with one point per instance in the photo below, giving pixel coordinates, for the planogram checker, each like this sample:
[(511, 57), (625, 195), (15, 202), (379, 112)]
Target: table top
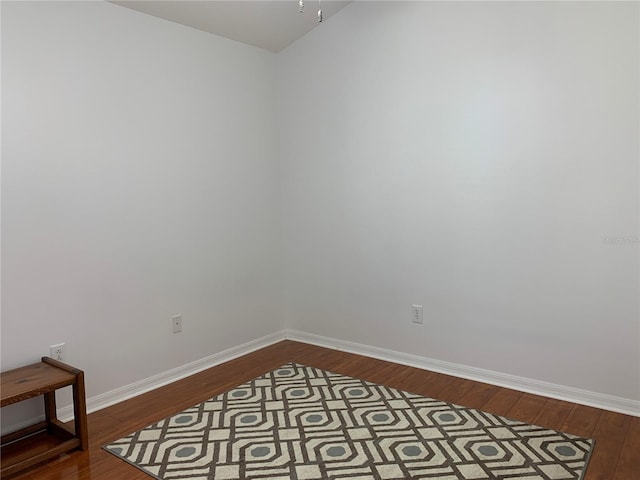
[(32, 381)]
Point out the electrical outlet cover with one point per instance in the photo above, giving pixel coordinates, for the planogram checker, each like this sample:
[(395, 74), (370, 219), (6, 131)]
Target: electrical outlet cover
[(176, 322), (58, 352), (416, 314)]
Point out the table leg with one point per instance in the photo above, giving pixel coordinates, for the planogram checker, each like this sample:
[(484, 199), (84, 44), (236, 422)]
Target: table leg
[(50, 411), (80, 411)]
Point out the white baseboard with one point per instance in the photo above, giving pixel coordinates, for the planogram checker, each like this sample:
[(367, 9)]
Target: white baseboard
[(575, 395), (570, 394), (23, 424), (151, 383)]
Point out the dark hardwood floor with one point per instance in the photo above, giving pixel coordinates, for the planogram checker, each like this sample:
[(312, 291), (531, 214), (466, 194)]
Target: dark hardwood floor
[(616, 455)]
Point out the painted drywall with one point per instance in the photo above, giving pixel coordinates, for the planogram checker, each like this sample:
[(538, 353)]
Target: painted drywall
[(139, 181), (480, 159)]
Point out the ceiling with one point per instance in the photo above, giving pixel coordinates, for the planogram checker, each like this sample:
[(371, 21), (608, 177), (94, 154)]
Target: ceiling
[(268, 24)]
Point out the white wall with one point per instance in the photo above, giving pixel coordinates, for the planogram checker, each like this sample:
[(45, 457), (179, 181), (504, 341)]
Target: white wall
[(139, 181), (473, 158)]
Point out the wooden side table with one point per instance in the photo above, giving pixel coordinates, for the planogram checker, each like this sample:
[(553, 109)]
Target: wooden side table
[(50, 438)]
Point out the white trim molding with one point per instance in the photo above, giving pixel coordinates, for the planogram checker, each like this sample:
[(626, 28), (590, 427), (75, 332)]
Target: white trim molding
[(537, 387), (575, 395), (151, 383)]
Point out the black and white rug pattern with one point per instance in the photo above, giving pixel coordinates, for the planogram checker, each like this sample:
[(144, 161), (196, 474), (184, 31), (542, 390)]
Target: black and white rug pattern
[(305, 423)]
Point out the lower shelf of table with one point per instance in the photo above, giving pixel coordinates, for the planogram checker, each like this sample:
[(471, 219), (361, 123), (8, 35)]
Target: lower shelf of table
[(39, 445)]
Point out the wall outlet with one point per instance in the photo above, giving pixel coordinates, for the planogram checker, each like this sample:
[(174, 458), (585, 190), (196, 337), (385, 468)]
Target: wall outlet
[(58, 352), (416, 314), (176, 322)]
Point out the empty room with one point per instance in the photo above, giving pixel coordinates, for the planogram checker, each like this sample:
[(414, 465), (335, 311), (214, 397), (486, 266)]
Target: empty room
[(312, 240)]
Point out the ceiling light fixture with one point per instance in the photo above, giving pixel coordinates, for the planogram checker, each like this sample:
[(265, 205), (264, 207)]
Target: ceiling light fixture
[(301, 9)]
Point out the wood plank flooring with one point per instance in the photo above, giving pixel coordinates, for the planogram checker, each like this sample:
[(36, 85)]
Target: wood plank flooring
[(616, 455)]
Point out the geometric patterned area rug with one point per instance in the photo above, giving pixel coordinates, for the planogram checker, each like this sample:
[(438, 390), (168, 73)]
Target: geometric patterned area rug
[(304, 423)]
